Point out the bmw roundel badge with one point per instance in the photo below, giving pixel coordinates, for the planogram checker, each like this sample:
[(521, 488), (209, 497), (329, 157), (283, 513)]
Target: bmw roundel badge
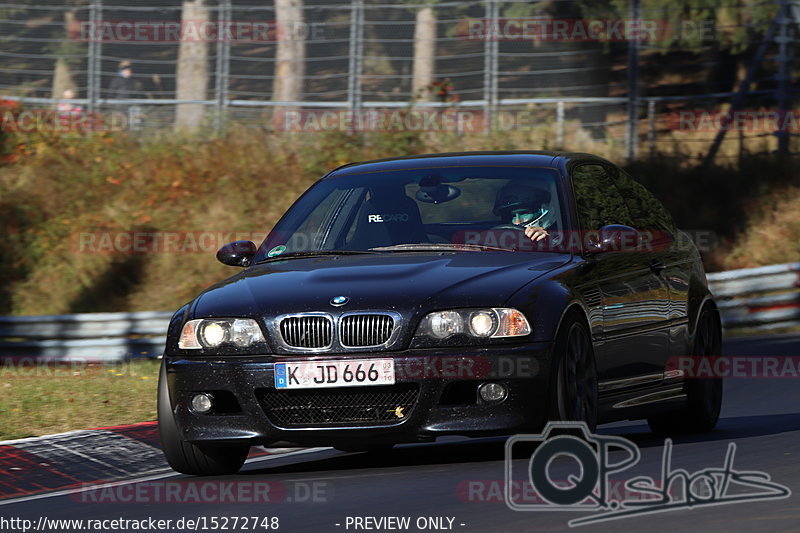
[(339, 301)]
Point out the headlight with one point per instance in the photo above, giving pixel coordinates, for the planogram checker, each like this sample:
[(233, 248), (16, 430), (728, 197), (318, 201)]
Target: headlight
[(482, 323), (445, 324), (211, 333), (496, 322)]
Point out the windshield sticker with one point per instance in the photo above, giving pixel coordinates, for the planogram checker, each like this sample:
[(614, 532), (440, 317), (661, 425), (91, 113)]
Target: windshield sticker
[(388, 217), (278, 250)]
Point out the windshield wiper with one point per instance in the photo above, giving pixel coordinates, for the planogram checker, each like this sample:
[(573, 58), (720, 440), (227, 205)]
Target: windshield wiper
[(314, 253), (437, 247)]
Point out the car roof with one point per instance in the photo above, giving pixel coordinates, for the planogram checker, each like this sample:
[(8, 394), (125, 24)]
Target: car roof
[(550, 159)]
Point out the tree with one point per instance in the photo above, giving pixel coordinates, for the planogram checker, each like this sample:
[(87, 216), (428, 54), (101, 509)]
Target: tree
[(62, 77), (424, 51), (191, 81), (290, 55), (721, 31)]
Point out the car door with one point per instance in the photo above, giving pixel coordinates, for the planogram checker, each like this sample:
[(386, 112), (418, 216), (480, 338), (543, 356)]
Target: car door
[(673, 257), (633, 344)]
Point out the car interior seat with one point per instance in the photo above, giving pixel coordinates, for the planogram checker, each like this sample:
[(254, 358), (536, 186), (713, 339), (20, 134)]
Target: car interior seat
[(387, 220)]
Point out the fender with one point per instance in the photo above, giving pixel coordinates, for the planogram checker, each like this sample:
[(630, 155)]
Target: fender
[(546, 301)]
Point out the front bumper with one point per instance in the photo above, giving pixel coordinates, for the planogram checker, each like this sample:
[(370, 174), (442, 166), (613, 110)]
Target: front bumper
[(446, 402)]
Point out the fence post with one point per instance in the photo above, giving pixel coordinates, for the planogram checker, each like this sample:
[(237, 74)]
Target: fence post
[(94, 61), (487, 66), (490, 50), (560, 125), (784, 77), (90, 61), (651, 128), (495, 58), (222, 71), (633, 82), (355, 63)]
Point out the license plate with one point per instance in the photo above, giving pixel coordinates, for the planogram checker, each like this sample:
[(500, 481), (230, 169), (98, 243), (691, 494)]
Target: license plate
[(321, 374)]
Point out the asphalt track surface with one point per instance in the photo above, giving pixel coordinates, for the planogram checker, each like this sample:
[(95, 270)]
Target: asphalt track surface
[(462, 479)]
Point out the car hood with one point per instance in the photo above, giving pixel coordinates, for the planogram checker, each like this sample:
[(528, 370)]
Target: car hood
[(386, 281)]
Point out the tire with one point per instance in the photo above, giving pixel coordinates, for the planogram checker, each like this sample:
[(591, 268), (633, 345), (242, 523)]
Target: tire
[(573, 382), (188, 458), (703, 396)]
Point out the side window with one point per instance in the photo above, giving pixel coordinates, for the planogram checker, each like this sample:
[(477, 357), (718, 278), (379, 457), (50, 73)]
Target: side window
[(597, 199), (647, 213)]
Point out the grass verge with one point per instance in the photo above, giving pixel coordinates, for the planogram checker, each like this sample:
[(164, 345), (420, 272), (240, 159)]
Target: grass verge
[(40, 399)]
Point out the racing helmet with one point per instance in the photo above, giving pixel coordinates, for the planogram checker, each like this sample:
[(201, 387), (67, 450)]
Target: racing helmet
[(515, 197)]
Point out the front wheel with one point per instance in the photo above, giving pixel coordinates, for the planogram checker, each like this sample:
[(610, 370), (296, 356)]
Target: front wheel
[(573, 385), (703, 396), (188, 458)]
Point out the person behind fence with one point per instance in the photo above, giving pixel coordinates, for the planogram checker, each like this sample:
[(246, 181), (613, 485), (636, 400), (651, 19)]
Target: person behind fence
[(527, 206), (122, 85), (69, 113)]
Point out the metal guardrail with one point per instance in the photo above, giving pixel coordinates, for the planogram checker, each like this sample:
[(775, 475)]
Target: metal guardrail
[(763, 298), (84, 337)]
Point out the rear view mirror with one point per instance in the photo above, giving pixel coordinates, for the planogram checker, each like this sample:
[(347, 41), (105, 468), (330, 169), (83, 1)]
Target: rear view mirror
[(438, 195), (237, 253), (432, 190)]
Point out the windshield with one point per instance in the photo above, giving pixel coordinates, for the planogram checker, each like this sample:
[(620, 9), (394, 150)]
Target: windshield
[(465, 208)]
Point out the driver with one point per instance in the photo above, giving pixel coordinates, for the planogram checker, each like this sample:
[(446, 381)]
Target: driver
[(526, 206)]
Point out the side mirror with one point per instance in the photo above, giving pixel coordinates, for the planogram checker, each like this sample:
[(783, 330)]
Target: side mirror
[(612, 238), (237, 253)]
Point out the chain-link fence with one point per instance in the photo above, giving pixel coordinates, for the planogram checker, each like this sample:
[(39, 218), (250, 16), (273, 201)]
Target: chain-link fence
[(646, 75)]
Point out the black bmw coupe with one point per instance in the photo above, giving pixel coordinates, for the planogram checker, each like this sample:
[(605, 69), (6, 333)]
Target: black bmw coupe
[(465, 294)]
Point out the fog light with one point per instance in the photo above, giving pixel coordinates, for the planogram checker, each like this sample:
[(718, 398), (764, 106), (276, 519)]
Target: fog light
[(493, 392), (202, 403)]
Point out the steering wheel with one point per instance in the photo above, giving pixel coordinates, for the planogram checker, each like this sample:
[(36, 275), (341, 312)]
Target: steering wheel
[(509, 226), (556, 240)]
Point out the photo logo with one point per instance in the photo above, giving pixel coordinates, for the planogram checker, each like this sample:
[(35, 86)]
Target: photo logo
[(593, 490)]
